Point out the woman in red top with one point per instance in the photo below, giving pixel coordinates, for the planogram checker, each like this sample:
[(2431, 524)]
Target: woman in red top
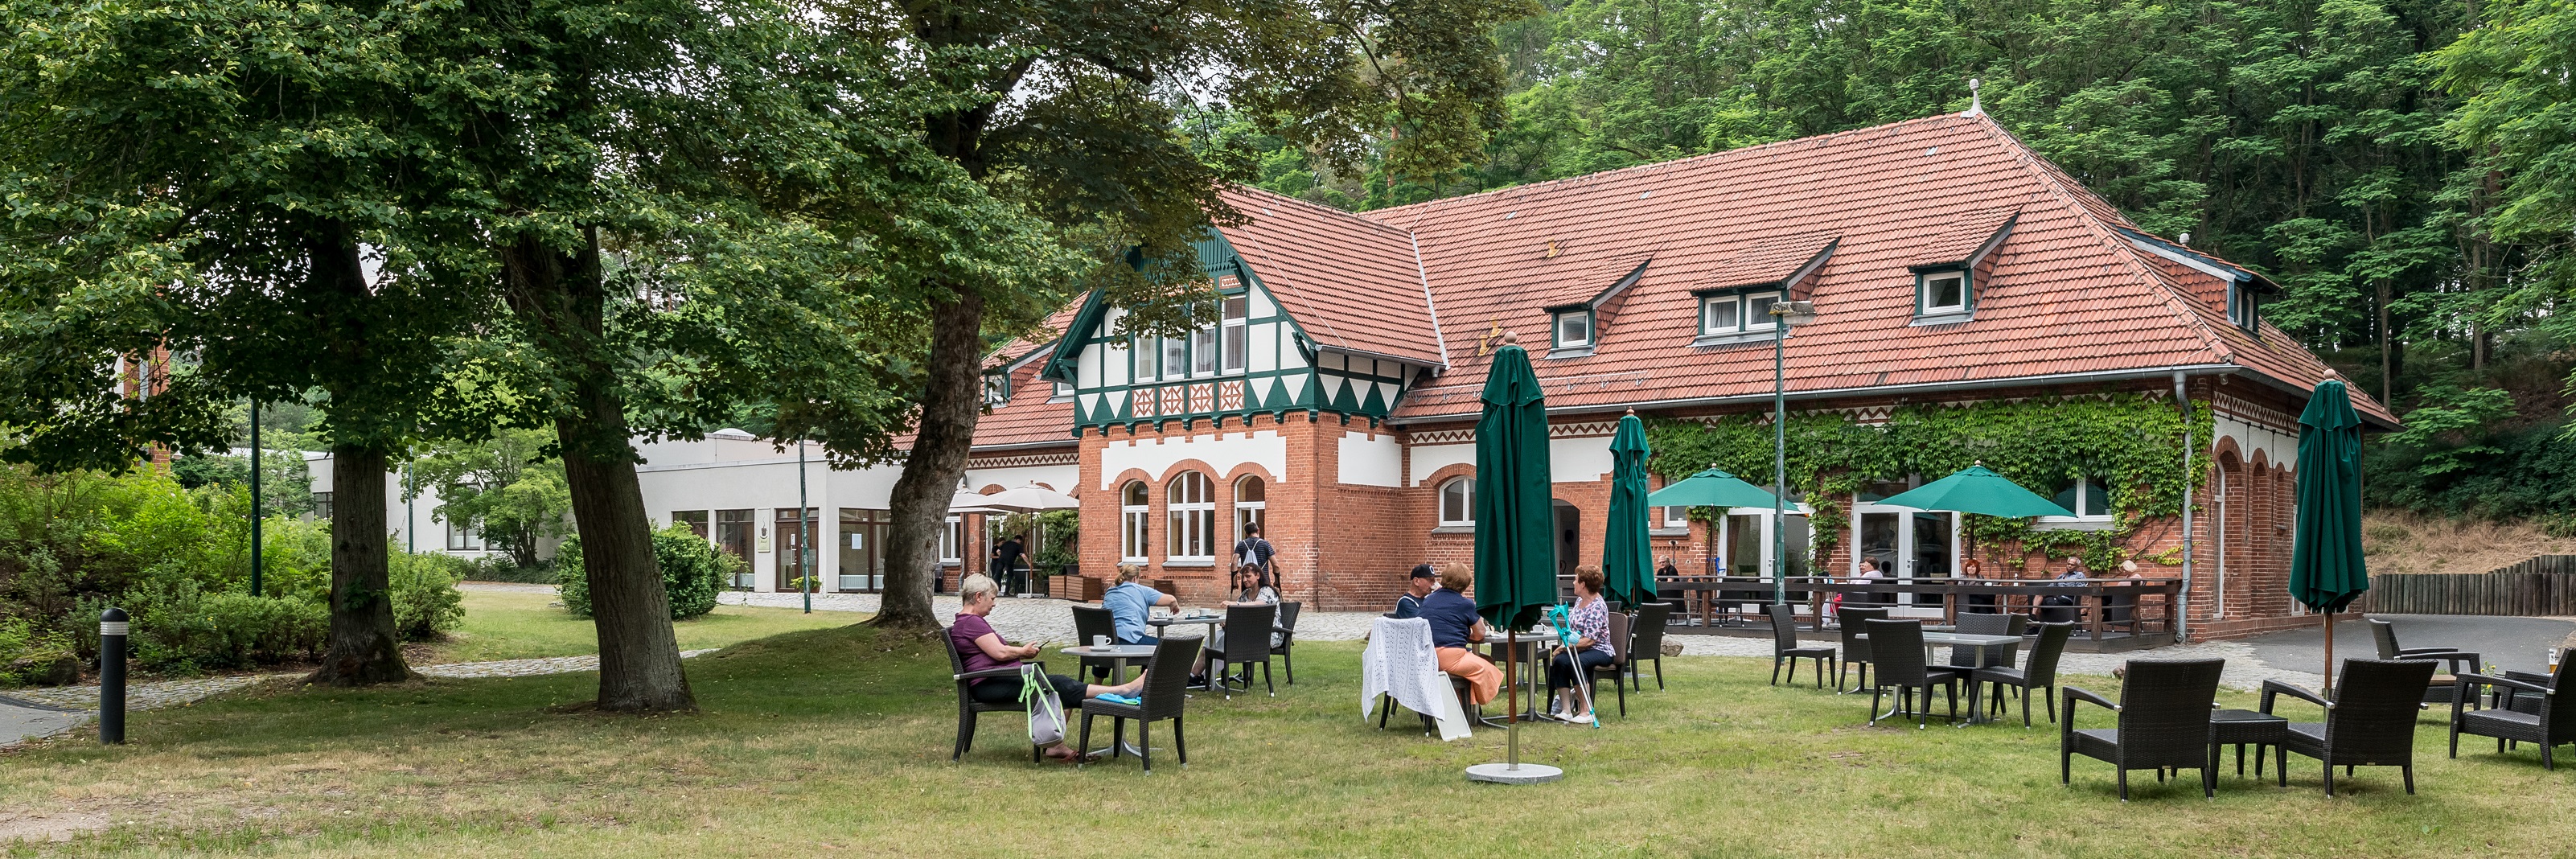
[(982, 648)]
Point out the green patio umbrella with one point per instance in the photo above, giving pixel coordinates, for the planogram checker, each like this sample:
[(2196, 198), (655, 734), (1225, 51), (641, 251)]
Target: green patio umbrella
[(2326, 570), (1976, 490), (1711, 488), (1515, 527), (1627, 565)]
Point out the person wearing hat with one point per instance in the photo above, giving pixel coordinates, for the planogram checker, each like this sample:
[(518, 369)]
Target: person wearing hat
[(1409, 603)]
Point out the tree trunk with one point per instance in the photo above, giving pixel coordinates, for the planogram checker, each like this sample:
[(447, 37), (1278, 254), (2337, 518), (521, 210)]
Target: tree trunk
[(2387, 350), (951, 402), (363, 648), (564, 304)]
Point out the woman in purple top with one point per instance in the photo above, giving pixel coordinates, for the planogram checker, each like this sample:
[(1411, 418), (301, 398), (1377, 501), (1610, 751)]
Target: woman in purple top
[(981, 648), (1591, 620)]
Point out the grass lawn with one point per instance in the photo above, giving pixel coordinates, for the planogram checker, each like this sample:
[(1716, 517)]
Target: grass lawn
[(521, 625), (835, 742)]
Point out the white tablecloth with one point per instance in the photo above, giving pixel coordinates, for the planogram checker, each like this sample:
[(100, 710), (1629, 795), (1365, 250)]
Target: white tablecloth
[(1400, 662)]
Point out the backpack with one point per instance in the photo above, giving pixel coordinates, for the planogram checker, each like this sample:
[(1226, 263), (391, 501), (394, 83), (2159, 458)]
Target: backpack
[(1046, 709)]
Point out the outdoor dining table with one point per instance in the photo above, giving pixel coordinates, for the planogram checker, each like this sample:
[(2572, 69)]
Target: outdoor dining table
[(1163, 623), (1118, 656), (1955, 640)]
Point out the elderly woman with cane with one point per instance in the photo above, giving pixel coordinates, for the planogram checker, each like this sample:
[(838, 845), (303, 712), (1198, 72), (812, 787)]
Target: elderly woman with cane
[(1584, 636)]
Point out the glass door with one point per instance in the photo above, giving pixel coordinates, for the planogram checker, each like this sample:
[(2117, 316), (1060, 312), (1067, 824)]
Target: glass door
[(862, 550), (795, 549)]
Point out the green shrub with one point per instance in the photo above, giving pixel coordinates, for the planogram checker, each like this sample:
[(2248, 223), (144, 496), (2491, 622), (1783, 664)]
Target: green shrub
[(426, 602), (28, 654), (499, 568), (693, 572)]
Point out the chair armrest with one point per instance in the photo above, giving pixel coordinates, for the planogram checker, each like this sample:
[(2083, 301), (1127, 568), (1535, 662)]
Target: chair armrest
[(2275, 688), (2489, 680), (1013, 671), (2419, 651), (2073, 694)]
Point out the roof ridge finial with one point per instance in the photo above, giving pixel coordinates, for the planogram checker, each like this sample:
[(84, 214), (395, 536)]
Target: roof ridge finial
[(1976, 104)]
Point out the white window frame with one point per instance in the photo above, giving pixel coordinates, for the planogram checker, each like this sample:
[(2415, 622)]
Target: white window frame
[(464, 538), (1251, 512), (1709, 303), (1063, 391), (1145, 350), (1234, 333), (2241, 307), (997, 389), (1466, 491), (1923, 293), (1176, 357), (1203, 352), (1671, 518), (2083, 490), (1556, 326), (1761, 320), (952, 541), (1189, 514), (1135, 514)]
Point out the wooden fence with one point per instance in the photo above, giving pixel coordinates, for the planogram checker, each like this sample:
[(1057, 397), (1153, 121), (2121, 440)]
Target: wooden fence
[(2541, 586)]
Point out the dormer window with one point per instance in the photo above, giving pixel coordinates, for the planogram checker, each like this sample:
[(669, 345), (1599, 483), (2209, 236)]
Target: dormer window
[(1941, 293), (997, 389), (2243, 308), (1574, 328)]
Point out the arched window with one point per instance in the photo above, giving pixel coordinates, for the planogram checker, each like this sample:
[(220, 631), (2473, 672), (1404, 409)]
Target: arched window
[(1458, 501), (1190, 507), (1251, 501), (1132, 518)]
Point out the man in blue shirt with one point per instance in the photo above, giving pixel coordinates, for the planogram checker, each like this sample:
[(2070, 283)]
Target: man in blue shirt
[(1129, 603), (1454, 625), (1409, 603)]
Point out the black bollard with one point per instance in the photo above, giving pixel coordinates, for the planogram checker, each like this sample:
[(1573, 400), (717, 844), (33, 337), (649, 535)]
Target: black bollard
[(111, 676)]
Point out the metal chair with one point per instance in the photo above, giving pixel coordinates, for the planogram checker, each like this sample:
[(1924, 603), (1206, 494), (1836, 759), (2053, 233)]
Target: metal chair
[(2370, 722), (1089, 622), (2039, 673), (1246, 643), (1287, 630), (1167, 678), (1896, 647), (2437, 690), (968, 707), (1856, 642), (1621, 655), (2548, 725), (1646, 642), (1784, 647), (2163, 723)]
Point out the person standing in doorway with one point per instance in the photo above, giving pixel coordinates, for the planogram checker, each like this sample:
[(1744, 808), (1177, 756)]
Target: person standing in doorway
[(1010, 564)]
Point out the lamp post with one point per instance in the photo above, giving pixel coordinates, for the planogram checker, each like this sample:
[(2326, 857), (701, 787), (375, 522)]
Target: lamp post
[(805, 555), (1783, 315), (255, 534)]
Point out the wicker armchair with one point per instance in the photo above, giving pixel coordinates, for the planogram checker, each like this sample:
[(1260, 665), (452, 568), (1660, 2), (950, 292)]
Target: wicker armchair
[(1646, 642), (1246, 644), (2039, 673), (1167, 679), (1896, 647), (2549, 725), (2438, 690), (1091, 621), (2163, 723), (1855, 642), (1784, 647), (1287, 630), (1965, 658), (968, 707), (2370, 722)]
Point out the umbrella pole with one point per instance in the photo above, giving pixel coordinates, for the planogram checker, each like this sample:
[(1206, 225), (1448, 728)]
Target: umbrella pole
[(1512, 693), (2330, 652)]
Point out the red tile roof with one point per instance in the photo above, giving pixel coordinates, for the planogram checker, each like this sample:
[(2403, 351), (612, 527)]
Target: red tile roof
[(2064, 293), (1351, 282)]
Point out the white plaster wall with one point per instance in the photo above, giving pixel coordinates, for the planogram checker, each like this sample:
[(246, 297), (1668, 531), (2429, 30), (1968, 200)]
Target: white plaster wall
[(1264, 348), (1371, 459), (1061, 478), (1578, 460), (2278, 448), (1430, 458), (1222, 451)]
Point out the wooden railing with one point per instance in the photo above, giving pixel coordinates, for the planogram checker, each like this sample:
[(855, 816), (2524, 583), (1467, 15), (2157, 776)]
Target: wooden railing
[(2538, 587), (2135, 606)]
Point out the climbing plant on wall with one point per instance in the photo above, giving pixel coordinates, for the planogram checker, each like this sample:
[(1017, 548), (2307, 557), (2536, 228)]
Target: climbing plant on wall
[(2131, 444)]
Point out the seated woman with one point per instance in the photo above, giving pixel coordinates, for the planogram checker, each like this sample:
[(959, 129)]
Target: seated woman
[(1251, 588), (1591, 621), (1454, 625), (1131, 604), (983, 648)]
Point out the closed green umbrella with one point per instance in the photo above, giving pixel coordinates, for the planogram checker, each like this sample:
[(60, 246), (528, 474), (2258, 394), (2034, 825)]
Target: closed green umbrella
[(1515, 526), (1711, 488), (1627, 568), (1976, 490), (2326, 570)]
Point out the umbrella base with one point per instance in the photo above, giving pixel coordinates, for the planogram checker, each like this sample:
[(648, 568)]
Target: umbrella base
[(1505, 774)]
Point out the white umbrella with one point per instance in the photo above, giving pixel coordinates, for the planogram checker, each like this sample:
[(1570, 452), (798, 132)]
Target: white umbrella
[(1030, 499), (968, 502)]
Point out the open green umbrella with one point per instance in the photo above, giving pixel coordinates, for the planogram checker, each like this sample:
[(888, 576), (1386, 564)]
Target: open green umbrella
[(1627, 567), (1976, 490), (2326, 570), (1711, 488), (1515, 526)]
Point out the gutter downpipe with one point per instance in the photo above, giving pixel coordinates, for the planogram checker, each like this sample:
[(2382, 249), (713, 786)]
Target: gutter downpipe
[(2182, 612)]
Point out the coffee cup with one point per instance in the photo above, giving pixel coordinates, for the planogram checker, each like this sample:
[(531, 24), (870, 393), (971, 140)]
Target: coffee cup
[(1100, 641)]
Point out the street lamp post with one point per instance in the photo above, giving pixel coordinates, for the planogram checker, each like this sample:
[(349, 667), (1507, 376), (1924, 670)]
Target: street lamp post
[(1783, 315)]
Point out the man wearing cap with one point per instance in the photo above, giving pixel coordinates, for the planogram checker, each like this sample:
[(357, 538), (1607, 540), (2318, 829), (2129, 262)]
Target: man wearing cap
[(1409, 603)]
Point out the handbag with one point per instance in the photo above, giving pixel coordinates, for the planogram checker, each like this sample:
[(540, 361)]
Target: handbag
[(1046, 708)]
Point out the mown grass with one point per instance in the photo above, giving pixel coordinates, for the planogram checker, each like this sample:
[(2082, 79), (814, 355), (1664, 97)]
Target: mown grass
[(526, 625), (835, 742)]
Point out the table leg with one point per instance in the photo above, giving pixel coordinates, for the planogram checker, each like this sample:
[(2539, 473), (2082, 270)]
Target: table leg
[(1976, 710)]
